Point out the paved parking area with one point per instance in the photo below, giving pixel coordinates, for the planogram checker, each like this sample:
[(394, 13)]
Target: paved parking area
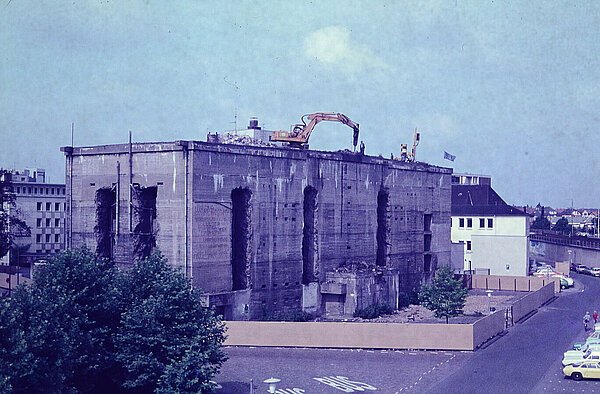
[(336, 370)]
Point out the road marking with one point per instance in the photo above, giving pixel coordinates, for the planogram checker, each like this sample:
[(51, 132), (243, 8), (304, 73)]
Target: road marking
[(344, 384)]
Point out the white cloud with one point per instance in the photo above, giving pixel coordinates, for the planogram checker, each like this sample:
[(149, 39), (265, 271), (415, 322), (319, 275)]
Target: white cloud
[(332, 45)]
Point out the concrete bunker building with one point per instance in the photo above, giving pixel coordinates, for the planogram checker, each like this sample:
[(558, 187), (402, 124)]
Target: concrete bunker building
[(264, 230)]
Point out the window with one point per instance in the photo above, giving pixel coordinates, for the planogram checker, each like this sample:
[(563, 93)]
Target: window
[(51, 190), (56, 222), (481, 223), (29, 190), (48, 222), (468, 245), (47, 191), (57, 206), (63, 191), (469, 223), (38, 238), (461, 222), (48, 206), (39, 222), (39, 206), (56, 237), (490, 223), (18, 189), (47, 237)]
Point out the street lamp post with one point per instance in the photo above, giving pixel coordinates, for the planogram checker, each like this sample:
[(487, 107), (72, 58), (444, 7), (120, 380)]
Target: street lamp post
[(489, 294)]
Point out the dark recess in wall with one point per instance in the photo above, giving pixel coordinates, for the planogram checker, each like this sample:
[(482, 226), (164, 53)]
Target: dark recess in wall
[(308, 236), (105, 215), (240, 237), (144, 210), (383, 226)]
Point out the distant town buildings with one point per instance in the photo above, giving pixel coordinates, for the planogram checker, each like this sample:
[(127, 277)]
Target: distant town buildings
[(42, 206), (494, 235)]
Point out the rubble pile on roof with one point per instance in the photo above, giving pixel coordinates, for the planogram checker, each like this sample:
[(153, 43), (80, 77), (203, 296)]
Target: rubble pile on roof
[(228, 138)]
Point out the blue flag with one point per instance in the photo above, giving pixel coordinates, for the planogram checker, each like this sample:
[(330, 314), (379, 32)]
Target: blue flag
[(448, 156)]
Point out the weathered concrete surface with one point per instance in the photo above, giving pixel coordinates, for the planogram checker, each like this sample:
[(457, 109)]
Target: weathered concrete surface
[(194, 209)]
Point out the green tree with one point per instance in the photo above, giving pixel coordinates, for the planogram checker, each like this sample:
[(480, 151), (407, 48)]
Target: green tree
[(445, 296), (168, 340), (541, 223), (562, 226), (84, 326), (11, 225)]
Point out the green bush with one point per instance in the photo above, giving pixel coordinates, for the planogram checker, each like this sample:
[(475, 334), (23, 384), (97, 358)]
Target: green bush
[(374, 310), (296, 316)]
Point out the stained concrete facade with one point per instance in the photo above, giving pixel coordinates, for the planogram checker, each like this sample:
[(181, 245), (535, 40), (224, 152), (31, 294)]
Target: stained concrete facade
[(259, 228)]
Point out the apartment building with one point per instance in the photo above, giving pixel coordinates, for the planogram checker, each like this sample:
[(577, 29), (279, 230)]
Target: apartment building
[(42, 206)]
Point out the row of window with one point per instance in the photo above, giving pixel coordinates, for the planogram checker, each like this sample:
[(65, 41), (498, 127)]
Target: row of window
[(39, 222), (40, 206), (42, 190), (469, 222), (38, 238)]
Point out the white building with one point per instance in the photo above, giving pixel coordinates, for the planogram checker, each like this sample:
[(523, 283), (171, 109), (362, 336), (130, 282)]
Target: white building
[(495, 235), (42, 206)]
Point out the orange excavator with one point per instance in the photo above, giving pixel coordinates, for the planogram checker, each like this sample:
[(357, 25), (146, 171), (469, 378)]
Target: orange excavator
[(300, 133)]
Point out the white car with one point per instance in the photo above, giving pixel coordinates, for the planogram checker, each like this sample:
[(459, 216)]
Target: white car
[(577, 357), (591, 346)]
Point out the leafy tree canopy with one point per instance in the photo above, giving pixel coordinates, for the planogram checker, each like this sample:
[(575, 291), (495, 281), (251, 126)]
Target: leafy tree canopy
[(541, 223), (563, 226), (445, 296), (84, 326)]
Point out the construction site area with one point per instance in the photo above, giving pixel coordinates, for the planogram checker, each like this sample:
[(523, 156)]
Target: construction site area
[(262, 224)]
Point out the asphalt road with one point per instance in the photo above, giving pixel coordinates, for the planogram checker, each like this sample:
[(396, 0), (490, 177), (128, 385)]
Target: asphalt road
[(527, 358)]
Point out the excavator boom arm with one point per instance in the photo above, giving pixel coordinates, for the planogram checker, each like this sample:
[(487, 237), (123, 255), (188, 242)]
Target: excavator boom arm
[(300, 133)]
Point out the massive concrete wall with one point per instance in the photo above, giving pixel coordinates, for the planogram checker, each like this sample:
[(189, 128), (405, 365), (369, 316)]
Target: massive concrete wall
[(211, 196)]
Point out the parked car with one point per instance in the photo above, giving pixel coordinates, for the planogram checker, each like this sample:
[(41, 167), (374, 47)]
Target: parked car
[(589, 355), (590, 346), (565, 281), (582, 269), (595, 271), (580, 345), (586, 369)]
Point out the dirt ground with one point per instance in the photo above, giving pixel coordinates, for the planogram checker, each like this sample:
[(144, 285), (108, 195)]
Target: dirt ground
[(475, 308)]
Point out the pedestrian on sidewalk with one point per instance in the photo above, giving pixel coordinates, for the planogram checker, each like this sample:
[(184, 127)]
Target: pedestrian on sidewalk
[(595, 317), (586, 320)]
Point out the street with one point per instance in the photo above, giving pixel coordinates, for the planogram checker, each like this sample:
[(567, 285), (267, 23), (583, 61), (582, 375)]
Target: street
[(527, 358)]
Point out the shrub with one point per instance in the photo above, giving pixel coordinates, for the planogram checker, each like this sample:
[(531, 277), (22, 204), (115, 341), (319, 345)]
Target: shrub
[(374, 310), (296, 316)]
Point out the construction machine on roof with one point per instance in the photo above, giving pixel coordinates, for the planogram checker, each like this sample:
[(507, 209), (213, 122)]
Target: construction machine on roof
[(409, 156), (300, 133)]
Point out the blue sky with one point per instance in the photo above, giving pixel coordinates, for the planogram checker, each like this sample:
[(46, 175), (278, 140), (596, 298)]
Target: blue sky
[(511, 88)]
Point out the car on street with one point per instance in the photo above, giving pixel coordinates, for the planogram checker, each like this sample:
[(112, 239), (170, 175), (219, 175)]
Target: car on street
[(577, 357), (586, 369), (578, 354), (595, 271), (582, 269)]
